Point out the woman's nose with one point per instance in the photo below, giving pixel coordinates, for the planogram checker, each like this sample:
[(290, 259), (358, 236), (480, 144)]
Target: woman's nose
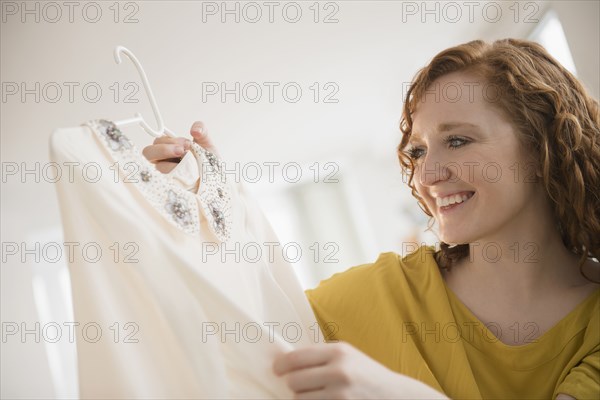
[(433, 169)]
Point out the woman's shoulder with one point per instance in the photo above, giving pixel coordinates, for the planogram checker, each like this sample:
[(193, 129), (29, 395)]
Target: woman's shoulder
[(389, 269), (392, 288)]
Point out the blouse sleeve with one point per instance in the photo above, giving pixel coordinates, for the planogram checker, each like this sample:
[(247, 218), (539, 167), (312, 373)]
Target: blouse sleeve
[(583, 381)]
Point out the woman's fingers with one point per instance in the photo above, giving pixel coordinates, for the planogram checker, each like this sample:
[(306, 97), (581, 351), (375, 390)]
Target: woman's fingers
[(166, 149), (308, 379), (166, 152), (200, 135), (166, 166), (313, 395), (310, 356), (181, 141)]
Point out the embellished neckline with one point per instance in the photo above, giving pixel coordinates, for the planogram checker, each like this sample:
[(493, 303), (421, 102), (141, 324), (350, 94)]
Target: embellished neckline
[(177, 205)]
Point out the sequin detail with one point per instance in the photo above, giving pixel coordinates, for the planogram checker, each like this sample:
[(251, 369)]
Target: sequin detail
[(177, 205), (114, 137), (215, 197)]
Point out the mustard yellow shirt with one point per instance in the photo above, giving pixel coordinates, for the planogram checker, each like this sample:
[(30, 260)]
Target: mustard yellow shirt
[(400, 312)]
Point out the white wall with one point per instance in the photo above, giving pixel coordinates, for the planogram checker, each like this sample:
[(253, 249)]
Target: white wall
[(369, 55)]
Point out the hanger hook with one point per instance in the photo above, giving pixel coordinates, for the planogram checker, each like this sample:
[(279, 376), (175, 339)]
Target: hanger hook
[(161, 126)]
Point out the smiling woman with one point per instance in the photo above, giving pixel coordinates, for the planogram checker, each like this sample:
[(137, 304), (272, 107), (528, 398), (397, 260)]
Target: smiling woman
[(551, 115), (502, 148)]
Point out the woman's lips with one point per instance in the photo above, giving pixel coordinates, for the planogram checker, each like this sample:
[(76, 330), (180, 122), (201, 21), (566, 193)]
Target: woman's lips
[(456, 206)]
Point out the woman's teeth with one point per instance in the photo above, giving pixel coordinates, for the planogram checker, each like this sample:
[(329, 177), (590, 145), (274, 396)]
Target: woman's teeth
[(454, 199)]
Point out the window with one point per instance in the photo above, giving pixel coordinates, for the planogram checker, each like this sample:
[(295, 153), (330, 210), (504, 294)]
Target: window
[(550, 34)]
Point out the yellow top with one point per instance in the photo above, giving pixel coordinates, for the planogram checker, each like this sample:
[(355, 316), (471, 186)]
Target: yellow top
[(400, 312)]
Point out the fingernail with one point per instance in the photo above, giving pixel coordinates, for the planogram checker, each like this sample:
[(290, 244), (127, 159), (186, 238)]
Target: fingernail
[(179, 150), (197, 127), (197, 133)]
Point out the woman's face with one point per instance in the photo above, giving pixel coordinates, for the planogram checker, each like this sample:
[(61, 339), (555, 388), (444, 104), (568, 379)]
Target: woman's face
[(463, 145)]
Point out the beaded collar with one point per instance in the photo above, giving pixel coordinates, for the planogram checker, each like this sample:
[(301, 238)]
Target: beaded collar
[(174, 203)]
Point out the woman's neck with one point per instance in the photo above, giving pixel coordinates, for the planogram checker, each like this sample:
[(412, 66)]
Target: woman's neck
[(521, 268)]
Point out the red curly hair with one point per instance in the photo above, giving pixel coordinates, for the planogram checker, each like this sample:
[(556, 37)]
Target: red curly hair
[(555, 118)]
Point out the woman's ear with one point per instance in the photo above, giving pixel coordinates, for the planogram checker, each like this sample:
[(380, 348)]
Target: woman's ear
[(535, 162), (538, 172), (533, 170)]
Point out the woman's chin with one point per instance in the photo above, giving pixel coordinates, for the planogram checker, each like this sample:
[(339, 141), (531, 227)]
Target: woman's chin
[(454, 239)]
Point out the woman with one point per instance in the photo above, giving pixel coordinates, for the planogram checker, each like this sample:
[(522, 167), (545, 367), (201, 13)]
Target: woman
[(502, 146)]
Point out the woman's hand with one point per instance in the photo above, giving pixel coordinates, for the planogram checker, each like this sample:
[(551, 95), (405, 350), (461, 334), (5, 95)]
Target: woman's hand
[(166, 151), (340, 371)]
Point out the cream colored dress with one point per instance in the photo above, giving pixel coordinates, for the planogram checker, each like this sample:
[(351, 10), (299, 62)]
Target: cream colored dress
[(178, 293)]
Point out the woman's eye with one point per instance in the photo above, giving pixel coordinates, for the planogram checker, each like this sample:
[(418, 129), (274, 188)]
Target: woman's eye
[(415, 153), (455, 142)]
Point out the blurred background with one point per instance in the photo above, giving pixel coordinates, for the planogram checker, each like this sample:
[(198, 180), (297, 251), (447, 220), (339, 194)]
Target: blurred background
[(303, 99)]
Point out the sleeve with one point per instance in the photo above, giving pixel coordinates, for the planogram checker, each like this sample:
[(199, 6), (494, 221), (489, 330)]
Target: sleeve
[(327, 328), (337, 305), (583, 381)]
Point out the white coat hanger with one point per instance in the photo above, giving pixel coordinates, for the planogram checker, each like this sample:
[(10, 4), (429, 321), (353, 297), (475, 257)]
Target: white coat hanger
[(162, 130)]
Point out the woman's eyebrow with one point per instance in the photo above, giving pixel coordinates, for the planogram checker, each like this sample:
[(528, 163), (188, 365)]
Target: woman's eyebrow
[(445, 127), (448, 126)]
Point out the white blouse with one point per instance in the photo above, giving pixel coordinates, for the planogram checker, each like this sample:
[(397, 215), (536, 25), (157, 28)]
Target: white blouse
[(175, 290)]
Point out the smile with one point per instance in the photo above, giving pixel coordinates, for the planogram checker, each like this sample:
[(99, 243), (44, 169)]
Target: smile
[(454, 201)]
